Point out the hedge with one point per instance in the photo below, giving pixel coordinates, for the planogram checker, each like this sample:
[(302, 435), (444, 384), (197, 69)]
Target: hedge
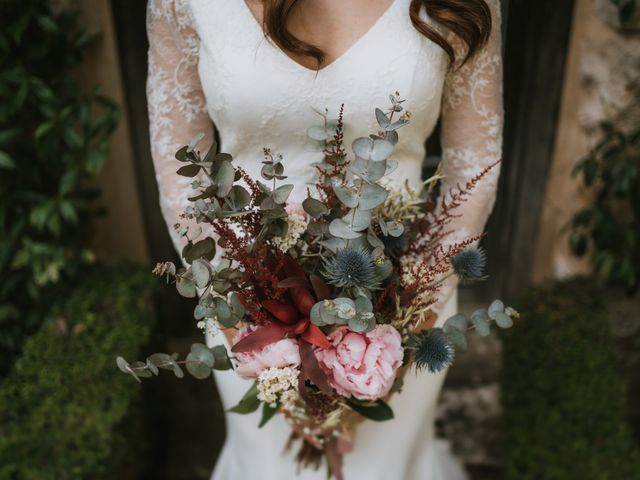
[(63, 404), (562, 390)]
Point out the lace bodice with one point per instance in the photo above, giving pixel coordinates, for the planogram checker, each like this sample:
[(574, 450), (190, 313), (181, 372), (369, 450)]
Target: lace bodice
[(210, 64)]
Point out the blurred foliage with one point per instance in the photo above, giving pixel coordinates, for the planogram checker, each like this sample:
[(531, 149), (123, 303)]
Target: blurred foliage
[(626, 10), (562, 390), (63, 402), (610, 223), (52, 138)]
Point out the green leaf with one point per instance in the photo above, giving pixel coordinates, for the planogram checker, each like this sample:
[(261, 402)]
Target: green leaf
[(480, 319), (377, 411), (372, 195), (224, 178), (267, 414), (281, 193), (315, 208), (358, 219), (496, 307), (186, 287), (124, 366), (339, 228), (249, 403), (457, 339), (205, 248), (6, 161), (200, 361), (221, 358), (503, 320), (456, 322), (201, 273), (346, 195), (382, 118), (190, 170), (317, 133)]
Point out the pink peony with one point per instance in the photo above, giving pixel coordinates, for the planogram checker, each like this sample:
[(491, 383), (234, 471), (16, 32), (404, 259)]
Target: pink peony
[(362, 364), (280, 354)]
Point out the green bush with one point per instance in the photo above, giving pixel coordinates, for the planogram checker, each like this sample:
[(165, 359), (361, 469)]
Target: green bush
[(52, 139), (62, 406), (562, 391)]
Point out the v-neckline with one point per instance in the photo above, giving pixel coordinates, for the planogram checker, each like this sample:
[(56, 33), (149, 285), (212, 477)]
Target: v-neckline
[(256, 24)]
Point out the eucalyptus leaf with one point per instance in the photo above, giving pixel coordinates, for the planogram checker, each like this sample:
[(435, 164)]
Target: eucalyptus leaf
[(339, 228), (239, 197), (457, 339), (186, 287), (480, 320), (497, 306), (503, 320), (224, 178), (371, 196), (358, 219), (201, 272), (382, 118), (374, 150), (456, 322), (200, 361), (315, 208), (141, 370), (281, 193), (346, 195), (391, 165), (317, 133), (190, 170), (221, 358), (362, 323)]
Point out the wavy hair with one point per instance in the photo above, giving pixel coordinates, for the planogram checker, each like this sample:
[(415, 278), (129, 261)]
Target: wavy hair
[(469, 20)]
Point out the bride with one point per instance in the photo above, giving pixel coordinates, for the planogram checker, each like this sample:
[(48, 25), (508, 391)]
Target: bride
[(253, 70)]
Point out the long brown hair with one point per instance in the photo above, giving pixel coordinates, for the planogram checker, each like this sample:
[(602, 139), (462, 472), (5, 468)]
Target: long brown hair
[(470, 20)]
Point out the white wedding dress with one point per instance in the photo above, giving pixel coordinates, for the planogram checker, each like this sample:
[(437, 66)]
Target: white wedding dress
[(210, 64)]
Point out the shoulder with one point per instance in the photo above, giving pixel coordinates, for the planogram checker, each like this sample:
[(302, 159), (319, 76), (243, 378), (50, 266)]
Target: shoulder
[(174, 17), (177, 13)]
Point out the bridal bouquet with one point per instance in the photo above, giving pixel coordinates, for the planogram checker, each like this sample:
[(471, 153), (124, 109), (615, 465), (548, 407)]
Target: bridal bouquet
[(331, 299)]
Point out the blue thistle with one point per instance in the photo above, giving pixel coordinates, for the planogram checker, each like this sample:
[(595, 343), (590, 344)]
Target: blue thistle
[(469, 264), (431, 350), (351, 267)]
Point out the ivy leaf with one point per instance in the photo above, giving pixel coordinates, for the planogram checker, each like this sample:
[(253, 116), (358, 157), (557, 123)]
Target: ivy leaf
[(249, 403), (377, 411), (267, 414)]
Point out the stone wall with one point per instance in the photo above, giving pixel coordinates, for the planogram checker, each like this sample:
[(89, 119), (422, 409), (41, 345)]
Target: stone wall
[(603, 61)]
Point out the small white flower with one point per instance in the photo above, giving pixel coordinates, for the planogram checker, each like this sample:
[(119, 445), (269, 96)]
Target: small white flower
[(273, 382), (296, 226)]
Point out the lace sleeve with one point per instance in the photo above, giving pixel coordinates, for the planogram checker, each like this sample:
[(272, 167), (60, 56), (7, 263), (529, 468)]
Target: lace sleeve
[(177, 107), (472, 118)]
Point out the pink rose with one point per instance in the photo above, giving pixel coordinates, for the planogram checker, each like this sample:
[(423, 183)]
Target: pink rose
[(280, 354), (362, 364)]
